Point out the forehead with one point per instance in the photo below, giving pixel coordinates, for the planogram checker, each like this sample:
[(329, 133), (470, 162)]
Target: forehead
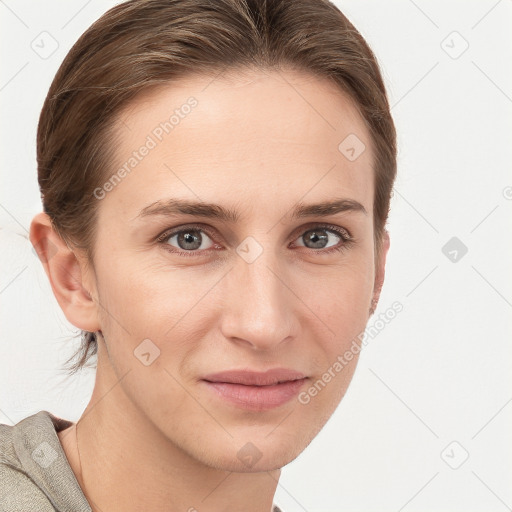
[(247, 97), (260, 133)]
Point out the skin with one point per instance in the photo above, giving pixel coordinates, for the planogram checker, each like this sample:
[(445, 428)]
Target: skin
[(257, 142)]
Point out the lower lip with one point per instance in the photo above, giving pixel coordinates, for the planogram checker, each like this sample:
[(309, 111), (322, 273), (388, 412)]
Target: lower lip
[(257, 398)]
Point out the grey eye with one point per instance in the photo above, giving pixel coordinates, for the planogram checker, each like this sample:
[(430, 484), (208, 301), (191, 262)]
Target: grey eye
[(190, 239), (317, 238)]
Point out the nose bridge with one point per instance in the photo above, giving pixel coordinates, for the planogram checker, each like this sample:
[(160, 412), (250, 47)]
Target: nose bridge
[(258, 306)]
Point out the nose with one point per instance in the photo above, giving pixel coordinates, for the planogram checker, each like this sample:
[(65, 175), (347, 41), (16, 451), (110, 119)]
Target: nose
[(260, 309)]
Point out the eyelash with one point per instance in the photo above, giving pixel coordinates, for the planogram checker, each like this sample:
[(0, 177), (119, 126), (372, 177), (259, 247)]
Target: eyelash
[(342, 233)]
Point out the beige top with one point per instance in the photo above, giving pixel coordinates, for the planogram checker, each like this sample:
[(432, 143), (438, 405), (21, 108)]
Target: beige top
[(35, 474)]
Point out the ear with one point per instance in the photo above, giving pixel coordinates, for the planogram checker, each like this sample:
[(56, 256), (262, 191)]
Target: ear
[(66, 274), (380, 265)]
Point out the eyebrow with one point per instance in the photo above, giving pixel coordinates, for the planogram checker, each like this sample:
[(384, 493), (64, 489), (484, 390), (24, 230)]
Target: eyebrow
[(173, 207)]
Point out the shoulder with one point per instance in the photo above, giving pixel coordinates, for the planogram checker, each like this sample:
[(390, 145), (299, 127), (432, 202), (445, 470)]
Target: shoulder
[(25, 449)]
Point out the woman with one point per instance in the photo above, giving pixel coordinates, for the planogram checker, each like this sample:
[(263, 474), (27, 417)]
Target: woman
[(216, 179)]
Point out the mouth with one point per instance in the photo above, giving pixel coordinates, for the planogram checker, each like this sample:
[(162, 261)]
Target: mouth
[(256, 391)]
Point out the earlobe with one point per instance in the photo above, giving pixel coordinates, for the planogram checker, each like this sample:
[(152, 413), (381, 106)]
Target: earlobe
[(380, 271), (65, 274)]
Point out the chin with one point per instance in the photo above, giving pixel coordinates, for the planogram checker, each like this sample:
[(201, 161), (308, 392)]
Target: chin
[(257, 464), (256, 452)]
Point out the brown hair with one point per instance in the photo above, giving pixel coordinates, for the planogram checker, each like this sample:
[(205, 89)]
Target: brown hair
[(140, 44)]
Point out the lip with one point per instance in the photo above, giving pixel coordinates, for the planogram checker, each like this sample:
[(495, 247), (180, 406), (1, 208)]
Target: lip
[(256, 391), (253, 378)]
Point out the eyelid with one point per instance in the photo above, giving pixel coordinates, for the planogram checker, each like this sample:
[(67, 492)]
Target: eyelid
[(341, 231), (173, 231)]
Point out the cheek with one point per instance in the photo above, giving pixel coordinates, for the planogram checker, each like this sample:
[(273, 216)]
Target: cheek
[(133, 290), (343, 308), (343, 305), (151, 316), (343, 298)]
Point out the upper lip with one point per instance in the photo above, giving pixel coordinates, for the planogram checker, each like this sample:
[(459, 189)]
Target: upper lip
[(252, 378)]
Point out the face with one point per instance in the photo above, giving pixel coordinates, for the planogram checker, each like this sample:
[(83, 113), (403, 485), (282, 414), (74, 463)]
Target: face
[(258, 281)]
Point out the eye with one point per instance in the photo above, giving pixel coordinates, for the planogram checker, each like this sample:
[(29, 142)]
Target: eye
[(193, 240), (188, 241), (318, 238)]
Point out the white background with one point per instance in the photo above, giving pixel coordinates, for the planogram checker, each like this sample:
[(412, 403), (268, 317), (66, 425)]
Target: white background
[(441, 370)]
